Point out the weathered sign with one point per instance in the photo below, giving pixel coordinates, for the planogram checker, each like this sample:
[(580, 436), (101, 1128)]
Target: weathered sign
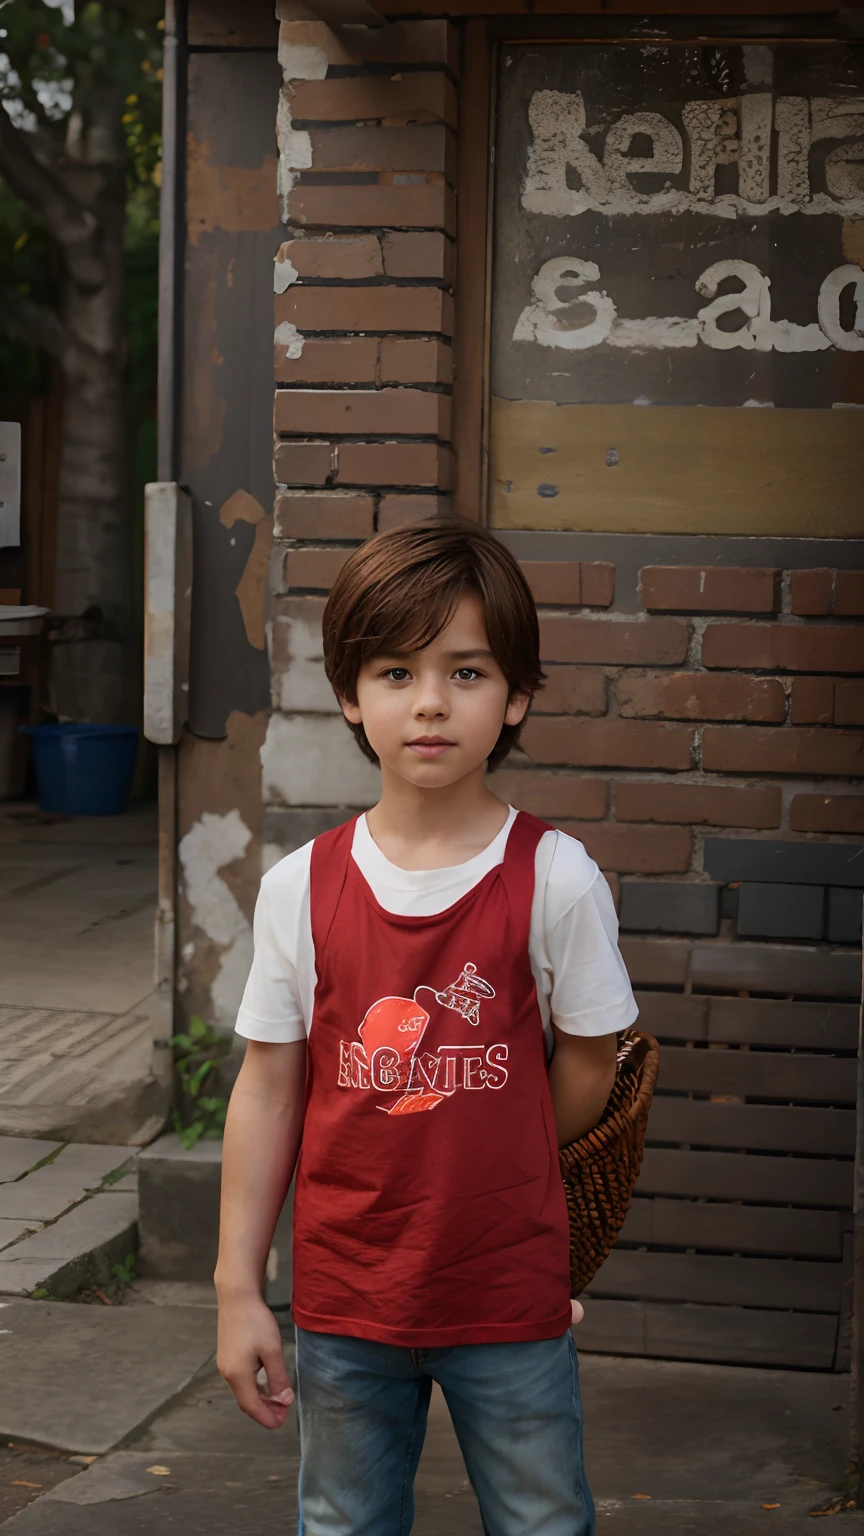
[(678, 226), (670, 200)]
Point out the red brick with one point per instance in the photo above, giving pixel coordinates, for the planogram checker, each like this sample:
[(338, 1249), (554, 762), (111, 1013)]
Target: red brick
[(849, 594), (396, 511), (849, 703), (416, 360), (598, 583), (551, 794), (324, 515), (554, 581), (336, 360), (430, 147), (349, 256), (813, 701), (314, 568), (709, 805), (634, 850), (710, 589), (811, 592), (787, 750), (366, 309), (416, 96), (304, 463), (784, 647), (827, 813), (572, 691), (640, 642), (607, 743), (420, 253), (428, 205), (395, 464), (700, 696), (414, 412)]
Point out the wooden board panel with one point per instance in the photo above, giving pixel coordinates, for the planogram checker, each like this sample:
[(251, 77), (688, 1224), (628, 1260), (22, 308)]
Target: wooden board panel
[(762, 1021), (777, 968), (759, 1074), (750, 1021), (633, 469), (734, 1228), (736, 1176), (756, 1127), (794, 1284), (730, 1335), (656, 962)]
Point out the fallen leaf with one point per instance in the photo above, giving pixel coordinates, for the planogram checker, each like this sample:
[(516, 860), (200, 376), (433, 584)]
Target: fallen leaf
[(158, 1471), (770, 1506), (833, 1508), (19, 1482), (640, 1495), (84, 1461)]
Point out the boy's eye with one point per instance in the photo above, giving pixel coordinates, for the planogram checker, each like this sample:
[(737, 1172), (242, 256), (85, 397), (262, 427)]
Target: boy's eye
[(467, 674), (397, 674)]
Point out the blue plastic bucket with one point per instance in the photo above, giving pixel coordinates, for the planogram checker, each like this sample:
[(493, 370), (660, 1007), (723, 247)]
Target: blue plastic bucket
[(83, 770)]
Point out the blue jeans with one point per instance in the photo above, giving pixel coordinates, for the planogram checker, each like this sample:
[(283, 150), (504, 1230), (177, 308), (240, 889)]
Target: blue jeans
[(515, 1408)]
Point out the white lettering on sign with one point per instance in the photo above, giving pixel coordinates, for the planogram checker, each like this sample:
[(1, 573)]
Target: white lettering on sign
[(738, 131), (586, 319)]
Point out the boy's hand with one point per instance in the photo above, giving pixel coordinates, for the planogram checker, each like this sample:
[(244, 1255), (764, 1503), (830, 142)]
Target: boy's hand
[(577, 1312), (250, 1345)]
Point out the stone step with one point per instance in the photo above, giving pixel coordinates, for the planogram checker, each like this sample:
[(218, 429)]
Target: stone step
[(68, 1213), (178, 1218)]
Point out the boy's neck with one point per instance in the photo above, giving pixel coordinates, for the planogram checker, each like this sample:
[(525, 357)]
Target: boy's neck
[(418, 828)]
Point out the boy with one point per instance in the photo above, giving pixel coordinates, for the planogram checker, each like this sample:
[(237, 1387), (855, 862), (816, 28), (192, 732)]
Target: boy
[(414, 971)]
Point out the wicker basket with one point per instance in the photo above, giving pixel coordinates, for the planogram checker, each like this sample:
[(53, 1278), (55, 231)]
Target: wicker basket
[(601, 1168)]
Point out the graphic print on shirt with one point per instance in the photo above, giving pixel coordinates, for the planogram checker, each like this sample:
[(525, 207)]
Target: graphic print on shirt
[(387, 1057)]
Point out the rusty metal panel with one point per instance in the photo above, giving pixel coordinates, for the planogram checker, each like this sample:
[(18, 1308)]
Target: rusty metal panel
[(676, 225), (233, 231)]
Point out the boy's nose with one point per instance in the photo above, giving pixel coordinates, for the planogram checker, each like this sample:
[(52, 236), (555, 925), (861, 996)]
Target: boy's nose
[(431, 701)]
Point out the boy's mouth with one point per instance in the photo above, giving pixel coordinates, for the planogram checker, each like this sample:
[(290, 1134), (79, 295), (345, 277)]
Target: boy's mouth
[(430, 746)]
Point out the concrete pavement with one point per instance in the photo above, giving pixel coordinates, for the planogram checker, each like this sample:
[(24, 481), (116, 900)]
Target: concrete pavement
[(78, 1009), (671, 1448)]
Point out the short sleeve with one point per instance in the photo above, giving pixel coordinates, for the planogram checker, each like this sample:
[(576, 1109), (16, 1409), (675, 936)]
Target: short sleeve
[(590, 990), (272, 1005)]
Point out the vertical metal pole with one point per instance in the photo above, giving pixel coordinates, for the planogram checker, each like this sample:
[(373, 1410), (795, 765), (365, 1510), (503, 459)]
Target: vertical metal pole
[(856, 1390), (171, 258), (171, 238)]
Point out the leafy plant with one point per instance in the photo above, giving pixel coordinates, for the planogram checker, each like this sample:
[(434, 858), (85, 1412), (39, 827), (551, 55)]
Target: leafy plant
[(197, 1053), (124, 1273)]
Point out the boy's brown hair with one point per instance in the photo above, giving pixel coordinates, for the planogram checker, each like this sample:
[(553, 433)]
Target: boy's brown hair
[(398, 591)]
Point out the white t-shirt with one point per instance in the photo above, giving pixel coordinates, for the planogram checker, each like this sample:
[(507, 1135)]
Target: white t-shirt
[(582, 985)]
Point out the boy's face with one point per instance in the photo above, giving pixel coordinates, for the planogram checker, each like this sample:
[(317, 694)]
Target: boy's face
[(434, 716)]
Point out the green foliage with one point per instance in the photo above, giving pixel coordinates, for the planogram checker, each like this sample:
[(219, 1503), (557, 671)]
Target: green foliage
[(197, 1054), (54, 74), (124, 1273)]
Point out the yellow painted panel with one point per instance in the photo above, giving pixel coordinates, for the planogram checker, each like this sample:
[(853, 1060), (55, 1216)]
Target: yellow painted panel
[(677, 469)]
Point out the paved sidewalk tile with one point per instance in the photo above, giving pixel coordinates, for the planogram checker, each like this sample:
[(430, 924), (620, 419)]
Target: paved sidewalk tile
[(10, 1231), (83, 1378), (18, 1153)]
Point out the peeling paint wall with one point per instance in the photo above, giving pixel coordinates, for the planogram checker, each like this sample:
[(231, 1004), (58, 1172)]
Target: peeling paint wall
[(233, 232)]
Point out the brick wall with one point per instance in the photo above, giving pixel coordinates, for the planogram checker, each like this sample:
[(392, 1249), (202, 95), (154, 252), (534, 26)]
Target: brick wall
[(701, 730), (363, 356)]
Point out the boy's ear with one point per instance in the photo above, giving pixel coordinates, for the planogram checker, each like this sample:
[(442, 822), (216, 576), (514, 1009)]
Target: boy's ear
[(350, 711), (517, 708)]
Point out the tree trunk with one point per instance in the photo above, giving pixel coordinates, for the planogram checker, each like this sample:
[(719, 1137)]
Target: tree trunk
[(94, 658)]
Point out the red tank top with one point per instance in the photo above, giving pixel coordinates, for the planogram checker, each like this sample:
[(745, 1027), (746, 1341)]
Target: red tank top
[(429, 1207)]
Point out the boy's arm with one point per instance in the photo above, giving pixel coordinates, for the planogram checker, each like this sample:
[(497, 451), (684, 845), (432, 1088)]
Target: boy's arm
[(262, 1139), (581, 1075)]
